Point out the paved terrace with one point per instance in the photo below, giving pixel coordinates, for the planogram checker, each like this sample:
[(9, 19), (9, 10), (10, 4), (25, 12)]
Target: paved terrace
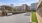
[(17, 18)]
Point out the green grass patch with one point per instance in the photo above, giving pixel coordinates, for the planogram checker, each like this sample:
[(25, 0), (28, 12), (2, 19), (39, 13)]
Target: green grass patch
[(34, 18)]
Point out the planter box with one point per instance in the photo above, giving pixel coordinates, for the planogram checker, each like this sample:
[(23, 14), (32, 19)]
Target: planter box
[(9, 13)]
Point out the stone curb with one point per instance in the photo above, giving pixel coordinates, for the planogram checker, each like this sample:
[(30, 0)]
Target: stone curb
[(30, 17)]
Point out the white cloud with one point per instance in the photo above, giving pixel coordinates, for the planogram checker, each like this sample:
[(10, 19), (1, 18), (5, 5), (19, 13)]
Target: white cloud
[(3, 3), (22, 0), (15, 4), (19, 4)]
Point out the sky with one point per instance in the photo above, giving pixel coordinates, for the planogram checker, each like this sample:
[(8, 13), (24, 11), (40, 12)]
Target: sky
[(17, 2)]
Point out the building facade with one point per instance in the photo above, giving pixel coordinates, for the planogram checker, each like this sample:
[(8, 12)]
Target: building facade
[(18, 7), (33, 6), (24, 7), (39, 11)]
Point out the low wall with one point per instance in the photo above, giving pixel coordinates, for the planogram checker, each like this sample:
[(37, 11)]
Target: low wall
[(18, 12), (39, 18)]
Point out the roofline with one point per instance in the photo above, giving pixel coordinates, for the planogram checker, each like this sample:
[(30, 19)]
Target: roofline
[(39, 3)]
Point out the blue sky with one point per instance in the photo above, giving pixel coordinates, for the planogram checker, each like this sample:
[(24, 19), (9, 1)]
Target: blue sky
[(17, 2)]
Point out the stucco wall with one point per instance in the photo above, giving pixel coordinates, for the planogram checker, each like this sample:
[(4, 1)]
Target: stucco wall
[(39, 18), (39, 14), (39, 11)]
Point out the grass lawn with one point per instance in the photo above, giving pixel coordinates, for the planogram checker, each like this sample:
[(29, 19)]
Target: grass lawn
[(34, 18)]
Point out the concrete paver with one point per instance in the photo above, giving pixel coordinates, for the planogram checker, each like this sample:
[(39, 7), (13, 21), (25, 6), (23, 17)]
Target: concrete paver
[(17, 18)]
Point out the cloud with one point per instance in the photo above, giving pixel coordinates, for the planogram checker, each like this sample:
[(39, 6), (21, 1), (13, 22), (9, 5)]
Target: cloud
[(19, 4), (22, 0), (3, 3)]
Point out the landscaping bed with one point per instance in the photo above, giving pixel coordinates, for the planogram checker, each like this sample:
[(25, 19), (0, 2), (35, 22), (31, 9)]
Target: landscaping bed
[(34, 18)]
